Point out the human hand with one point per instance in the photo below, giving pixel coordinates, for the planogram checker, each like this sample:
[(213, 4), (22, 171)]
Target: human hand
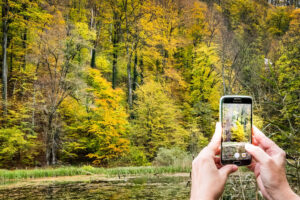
[(208, 175), (268, 164)]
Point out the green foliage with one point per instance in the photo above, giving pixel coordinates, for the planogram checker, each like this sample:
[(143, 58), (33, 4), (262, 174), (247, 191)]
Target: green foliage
[(12, 141), (8, 176), (205, 88), (278, 21), (285, 81), (244, 16), (15, 147), (103, 64), (156, 121), (108, 122), (172, 157), (102, 123), (181, 56), (202, 141), (135, 157), (75, 135)]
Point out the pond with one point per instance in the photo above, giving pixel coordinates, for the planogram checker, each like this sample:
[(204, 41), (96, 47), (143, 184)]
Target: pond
[(131, 188)]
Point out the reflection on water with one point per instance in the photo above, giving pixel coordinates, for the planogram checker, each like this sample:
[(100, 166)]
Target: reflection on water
[(134, 188)]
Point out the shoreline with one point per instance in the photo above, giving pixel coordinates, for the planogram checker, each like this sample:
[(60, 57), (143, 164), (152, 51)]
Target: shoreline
[(82, 173), (47, 181)]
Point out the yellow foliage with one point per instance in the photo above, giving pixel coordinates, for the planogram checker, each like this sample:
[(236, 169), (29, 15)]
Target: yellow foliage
[(109, 119), (238, 133)]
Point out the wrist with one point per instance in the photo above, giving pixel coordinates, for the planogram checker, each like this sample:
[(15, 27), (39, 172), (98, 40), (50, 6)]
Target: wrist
[(291, 195), (203, 195), (284, 193)]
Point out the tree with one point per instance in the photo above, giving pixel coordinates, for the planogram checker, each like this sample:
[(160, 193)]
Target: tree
[(132, 15), (242, 39), (238, 133), (5, 23), (282, 90), (60, 59), (117, 19), (205, 88), (156, 121), (97, 129), (16, 17), (16, 149), (68, 66), (108, 121), (278, 21)]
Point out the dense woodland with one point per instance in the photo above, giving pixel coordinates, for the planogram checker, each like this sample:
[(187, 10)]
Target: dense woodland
[(111, 82)]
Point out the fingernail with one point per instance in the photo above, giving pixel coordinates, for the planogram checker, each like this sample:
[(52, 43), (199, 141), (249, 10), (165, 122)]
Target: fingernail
[(234, 167), (248, 147), (254, 127), (257, 131)]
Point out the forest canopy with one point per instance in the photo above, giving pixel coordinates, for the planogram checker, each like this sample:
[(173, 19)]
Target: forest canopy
[(111, 82)]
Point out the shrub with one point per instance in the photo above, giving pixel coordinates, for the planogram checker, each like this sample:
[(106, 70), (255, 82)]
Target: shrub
[(135, 157), (173, 157), (87, 167)]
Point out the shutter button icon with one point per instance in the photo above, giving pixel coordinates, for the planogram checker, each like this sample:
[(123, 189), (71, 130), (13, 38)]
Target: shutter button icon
[(236, 155)]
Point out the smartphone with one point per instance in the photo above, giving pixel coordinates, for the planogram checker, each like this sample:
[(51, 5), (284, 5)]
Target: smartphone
[(236, 119)]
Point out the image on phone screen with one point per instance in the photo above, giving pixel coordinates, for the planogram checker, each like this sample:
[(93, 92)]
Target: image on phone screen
[(236, 131)]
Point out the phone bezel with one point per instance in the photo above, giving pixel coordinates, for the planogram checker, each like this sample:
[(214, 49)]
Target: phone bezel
[(235, 99)]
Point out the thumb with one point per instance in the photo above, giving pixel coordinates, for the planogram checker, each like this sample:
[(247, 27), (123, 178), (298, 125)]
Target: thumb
[(228, 169)]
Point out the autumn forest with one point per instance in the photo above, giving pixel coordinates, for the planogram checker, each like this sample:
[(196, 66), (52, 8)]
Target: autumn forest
[(118, 82)]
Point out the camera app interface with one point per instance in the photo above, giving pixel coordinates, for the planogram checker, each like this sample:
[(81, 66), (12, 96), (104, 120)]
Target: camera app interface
[(236, 131)]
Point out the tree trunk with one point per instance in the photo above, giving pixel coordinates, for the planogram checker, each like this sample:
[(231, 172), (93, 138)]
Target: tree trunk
[(53, 149), (5, 9), (49, 139), (10, 67), (129, 82), (24, 43), (115, 41), (135, 73), (11, 59), (114, 69), (93, 60), (129, 55), (47, 149), (142, 69), (33, 107), (93, 51)]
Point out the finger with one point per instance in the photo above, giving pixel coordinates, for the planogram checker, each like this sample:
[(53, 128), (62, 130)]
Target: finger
[(256, 170), (254, 142), (218, 151), (217, 160), (219, 165), (216, 139), (262, 188), (205, 156), (228, 169), (258, 154), (252, 165), (261, 139), (266, 143)]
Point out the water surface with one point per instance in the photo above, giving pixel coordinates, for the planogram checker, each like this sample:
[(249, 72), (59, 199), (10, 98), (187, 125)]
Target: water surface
[(131, 188)]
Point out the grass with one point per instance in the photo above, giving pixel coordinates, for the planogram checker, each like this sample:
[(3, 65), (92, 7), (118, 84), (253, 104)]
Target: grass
[(8, 176)]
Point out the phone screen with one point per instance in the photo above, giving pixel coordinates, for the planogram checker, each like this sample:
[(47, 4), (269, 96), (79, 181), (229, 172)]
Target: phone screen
[(236, 130)]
